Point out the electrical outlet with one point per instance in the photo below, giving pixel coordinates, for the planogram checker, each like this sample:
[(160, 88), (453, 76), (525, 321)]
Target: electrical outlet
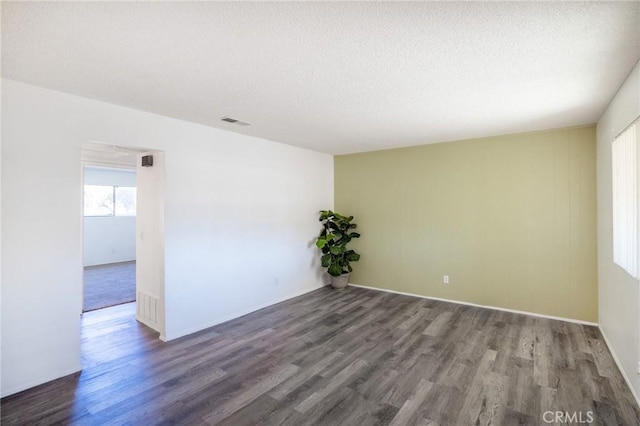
[(445, 279)]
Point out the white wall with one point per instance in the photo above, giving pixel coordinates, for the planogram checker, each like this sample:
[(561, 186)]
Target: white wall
[(150, 243), (618, 292), (240, 217), (109, 239)]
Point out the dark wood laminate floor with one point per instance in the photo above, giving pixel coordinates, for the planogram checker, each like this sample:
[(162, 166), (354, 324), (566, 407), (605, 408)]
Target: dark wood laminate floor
[(351, 357)]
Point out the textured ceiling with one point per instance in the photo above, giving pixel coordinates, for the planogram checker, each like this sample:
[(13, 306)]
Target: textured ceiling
[(334, 77)]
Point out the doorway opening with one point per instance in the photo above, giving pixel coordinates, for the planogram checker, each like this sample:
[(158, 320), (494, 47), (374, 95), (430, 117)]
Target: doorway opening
[(109, 236), (123, 230)]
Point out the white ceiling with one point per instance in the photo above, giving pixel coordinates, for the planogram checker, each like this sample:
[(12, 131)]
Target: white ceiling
[(334, 77)]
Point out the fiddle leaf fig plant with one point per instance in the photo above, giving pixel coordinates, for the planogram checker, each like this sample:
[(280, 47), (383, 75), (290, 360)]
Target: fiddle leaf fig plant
[(337, 232)]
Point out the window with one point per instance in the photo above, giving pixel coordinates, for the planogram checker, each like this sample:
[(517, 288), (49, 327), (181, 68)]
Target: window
[(625, 199), (125, 201), (109, 200), (98, 200)]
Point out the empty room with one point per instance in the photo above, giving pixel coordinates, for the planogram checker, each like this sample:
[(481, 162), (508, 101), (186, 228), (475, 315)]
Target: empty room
[(109, 236), (320, 213)]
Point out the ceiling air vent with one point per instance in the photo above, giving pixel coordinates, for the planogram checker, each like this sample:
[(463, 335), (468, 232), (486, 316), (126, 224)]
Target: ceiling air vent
[(234, 121)]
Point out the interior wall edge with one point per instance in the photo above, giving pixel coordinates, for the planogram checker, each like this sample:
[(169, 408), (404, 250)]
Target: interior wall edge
[(479, 138), (35, 383), (182, 333), (495, 308), (627, 380)]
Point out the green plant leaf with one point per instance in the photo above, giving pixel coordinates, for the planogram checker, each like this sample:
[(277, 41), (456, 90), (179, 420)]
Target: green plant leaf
[(337, 249), (333, 239), (352, 256), (349, 268), (335, 270)]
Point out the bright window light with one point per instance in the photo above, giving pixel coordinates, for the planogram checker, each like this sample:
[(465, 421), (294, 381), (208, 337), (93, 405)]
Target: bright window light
[(98, 200), (125, 201), (625, 199), (110, 200)]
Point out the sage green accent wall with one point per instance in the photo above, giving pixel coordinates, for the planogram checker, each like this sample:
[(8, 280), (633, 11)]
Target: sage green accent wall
[(511, 219)]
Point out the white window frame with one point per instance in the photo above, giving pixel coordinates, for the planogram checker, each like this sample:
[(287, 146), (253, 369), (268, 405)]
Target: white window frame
[(113, 198), (625, 184)]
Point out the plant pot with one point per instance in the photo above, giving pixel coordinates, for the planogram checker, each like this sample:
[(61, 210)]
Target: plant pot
[(340, 281)]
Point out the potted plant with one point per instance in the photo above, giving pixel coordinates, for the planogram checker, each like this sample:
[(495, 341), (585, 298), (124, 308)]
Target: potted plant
[(337, 232)]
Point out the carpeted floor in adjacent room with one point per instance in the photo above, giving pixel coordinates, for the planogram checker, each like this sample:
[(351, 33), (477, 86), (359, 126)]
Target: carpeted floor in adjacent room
[(108, 285)]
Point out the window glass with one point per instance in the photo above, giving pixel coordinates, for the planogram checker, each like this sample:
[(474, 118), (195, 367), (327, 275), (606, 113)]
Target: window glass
[(98, 200), (125, 201), (625, 200)]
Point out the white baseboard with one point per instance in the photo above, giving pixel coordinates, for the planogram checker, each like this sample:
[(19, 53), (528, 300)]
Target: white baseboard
[(148, 323), (239, 314), (606, 340), (114, 262), (34, 383), (496, 308), (619, 364)]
